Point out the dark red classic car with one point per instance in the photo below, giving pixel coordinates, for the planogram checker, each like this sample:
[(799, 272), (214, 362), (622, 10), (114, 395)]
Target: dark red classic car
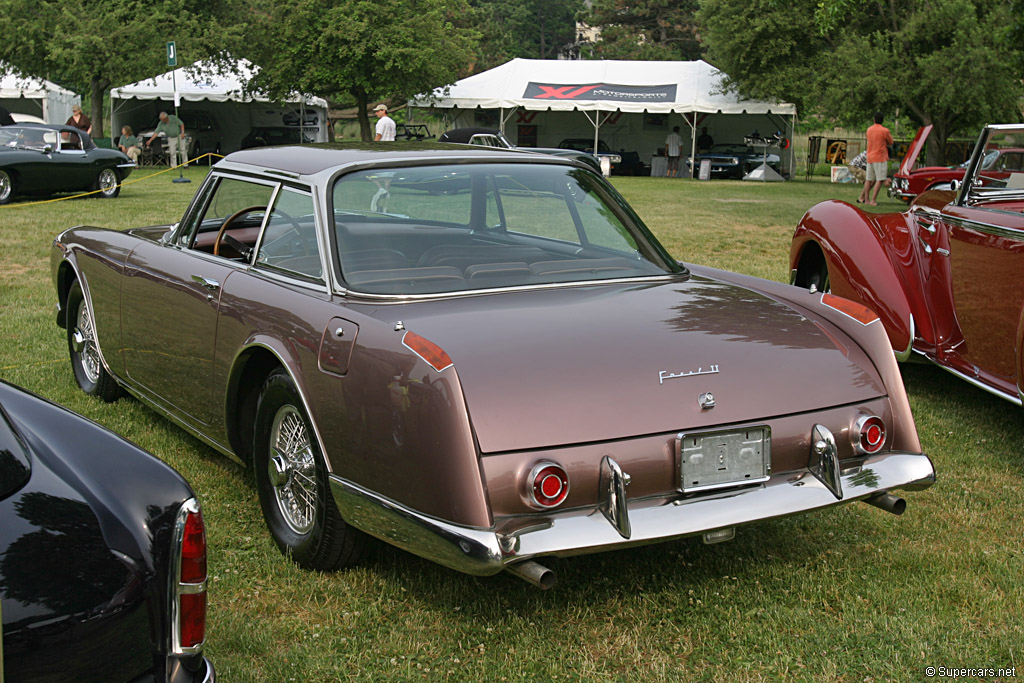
[(481, 356), (944, 276), (911, 180)]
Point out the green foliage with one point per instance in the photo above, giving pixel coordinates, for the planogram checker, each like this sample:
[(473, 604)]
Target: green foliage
[(952, 63), (534, 29), (89, 46), (363, 50), (645, 29)]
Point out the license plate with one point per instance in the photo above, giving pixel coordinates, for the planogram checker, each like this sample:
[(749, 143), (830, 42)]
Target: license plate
[(713, 460)]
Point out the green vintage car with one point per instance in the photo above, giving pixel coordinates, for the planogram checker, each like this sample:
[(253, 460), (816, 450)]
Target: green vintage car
[(40, 159)]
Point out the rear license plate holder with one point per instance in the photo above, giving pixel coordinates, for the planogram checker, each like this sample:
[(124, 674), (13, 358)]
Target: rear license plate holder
[(724, 458)]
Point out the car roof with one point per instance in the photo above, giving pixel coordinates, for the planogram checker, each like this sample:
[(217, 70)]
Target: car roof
[(314, 159)]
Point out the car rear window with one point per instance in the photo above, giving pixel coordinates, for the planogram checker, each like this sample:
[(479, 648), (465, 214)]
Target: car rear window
[(435, 229)]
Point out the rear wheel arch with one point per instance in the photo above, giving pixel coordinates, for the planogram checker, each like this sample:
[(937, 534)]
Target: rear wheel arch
[(812, 268), (66, 277), (249, 372)]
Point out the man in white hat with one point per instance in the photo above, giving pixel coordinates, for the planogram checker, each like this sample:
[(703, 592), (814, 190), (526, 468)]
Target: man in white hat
[(385, 124)]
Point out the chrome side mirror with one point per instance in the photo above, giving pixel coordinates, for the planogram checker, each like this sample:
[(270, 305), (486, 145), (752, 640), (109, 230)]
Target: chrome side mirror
[(954, 185), (47, 149)]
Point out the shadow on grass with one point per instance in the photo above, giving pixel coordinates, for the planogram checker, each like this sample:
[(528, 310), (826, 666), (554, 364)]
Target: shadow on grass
[(964, 415), (675, 568)]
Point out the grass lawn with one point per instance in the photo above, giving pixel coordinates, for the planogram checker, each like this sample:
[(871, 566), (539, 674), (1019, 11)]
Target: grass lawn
[(852, 594)]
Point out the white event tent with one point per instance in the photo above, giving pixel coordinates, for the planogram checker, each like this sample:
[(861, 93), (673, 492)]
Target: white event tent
[(202, 87), (629, 104), (36, 97)]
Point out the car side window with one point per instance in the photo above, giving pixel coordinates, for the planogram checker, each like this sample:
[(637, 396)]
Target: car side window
[(289, 241), (229, 223)]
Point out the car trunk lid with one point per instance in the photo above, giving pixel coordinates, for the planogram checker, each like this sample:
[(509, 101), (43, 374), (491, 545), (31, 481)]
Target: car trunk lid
[(545, 368)]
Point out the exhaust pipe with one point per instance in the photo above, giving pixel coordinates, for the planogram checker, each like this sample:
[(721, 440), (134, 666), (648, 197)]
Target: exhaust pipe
[(533, 572), (888, 502)]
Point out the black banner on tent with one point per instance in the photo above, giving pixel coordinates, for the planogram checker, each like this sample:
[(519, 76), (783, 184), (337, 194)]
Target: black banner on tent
[(601, 91)]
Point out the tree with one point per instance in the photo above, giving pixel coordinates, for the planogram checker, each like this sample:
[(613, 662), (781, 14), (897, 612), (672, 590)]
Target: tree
[(535, 29), (950, 63), (89, 46), (645, 29), (361, 50)]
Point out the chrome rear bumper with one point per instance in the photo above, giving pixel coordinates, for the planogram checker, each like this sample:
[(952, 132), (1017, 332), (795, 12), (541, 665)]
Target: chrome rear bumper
[(577, 532)]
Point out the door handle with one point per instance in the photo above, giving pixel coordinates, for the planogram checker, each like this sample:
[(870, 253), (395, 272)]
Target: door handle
[(211, 285)]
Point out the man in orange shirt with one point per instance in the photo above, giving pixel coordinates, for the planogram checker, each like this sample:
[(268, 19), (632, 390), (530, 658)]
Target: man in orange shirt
[(879, 141)]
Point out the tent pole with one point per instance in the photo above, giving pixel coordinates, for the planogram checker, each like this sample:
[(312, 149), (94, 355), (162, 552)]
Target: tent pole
[(504, 119), (792, 150), (693, 138)]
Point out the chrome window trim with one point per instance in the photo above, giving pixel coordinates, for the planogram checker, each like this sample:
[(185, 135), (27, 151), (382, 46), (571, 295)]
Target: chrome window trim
[(291, 276), (969, 194), (986, 228), (284, 277), (216, 176), (333, 175), (402, 298)]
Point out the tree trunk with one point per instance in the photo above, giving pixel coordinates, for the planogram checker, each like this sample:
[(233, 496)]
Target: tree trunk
[(362, 103), (97, 86), (936, 155)]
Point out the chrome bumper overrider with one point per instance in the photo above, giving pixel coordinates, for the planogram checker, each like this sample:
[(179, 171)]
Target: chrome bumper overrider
[(576, 532)]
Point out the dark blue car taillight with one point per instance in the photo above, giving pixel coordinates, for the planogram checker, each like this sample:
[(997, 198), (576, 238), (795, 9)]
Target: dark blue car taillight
[(188, 581)]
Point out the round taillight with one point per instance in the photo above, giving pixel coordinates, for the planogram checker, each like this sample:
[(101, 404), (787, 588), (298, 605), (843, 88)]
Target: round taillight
[(869, 434), (548, 484)]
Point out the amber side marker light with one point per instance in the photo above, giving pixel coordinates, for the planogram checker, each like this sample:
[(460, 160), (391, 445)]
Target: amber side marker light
[(433, 354), (547, 484), (868, 434), (859, 312)]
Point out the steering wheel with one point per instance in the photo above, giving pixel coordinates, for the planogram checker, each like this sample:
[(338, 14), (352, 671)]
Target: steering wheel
[(227, 223), (298, 231)]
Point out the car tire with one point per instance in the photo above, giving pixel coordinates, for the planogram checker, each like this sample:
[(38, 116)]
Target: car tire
[(108, 183), (88, 368), (6, 187), (291, 481)]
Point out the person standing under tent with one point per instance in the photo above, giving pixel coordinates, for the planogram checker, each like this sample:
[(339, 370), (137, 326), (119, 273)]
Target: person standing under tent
[(673, 151), (174, 129)]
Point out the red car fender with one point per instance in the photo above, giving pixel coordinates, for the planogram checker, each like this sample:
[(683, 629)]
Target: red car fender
[(865, 256)]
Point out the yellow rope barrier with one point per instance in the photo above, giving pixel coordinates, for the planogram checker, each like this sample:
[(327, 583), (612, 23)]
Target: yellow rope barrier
[(128, 182)]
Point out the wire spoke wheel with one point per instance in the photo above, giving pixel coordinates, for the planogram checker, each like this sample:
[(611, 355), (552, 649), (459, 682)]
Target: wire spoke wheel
[(107, 182), (84, 344), (292, 470), (6, 187)]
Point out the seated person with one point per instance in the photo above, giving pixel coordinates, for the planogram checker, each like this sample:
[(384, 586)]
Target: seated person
[(129, 144)]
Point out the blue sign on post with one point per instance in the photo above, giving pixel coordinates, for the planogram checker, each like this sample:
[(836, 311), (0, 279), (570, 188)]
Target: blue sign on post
[(172, 54)]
